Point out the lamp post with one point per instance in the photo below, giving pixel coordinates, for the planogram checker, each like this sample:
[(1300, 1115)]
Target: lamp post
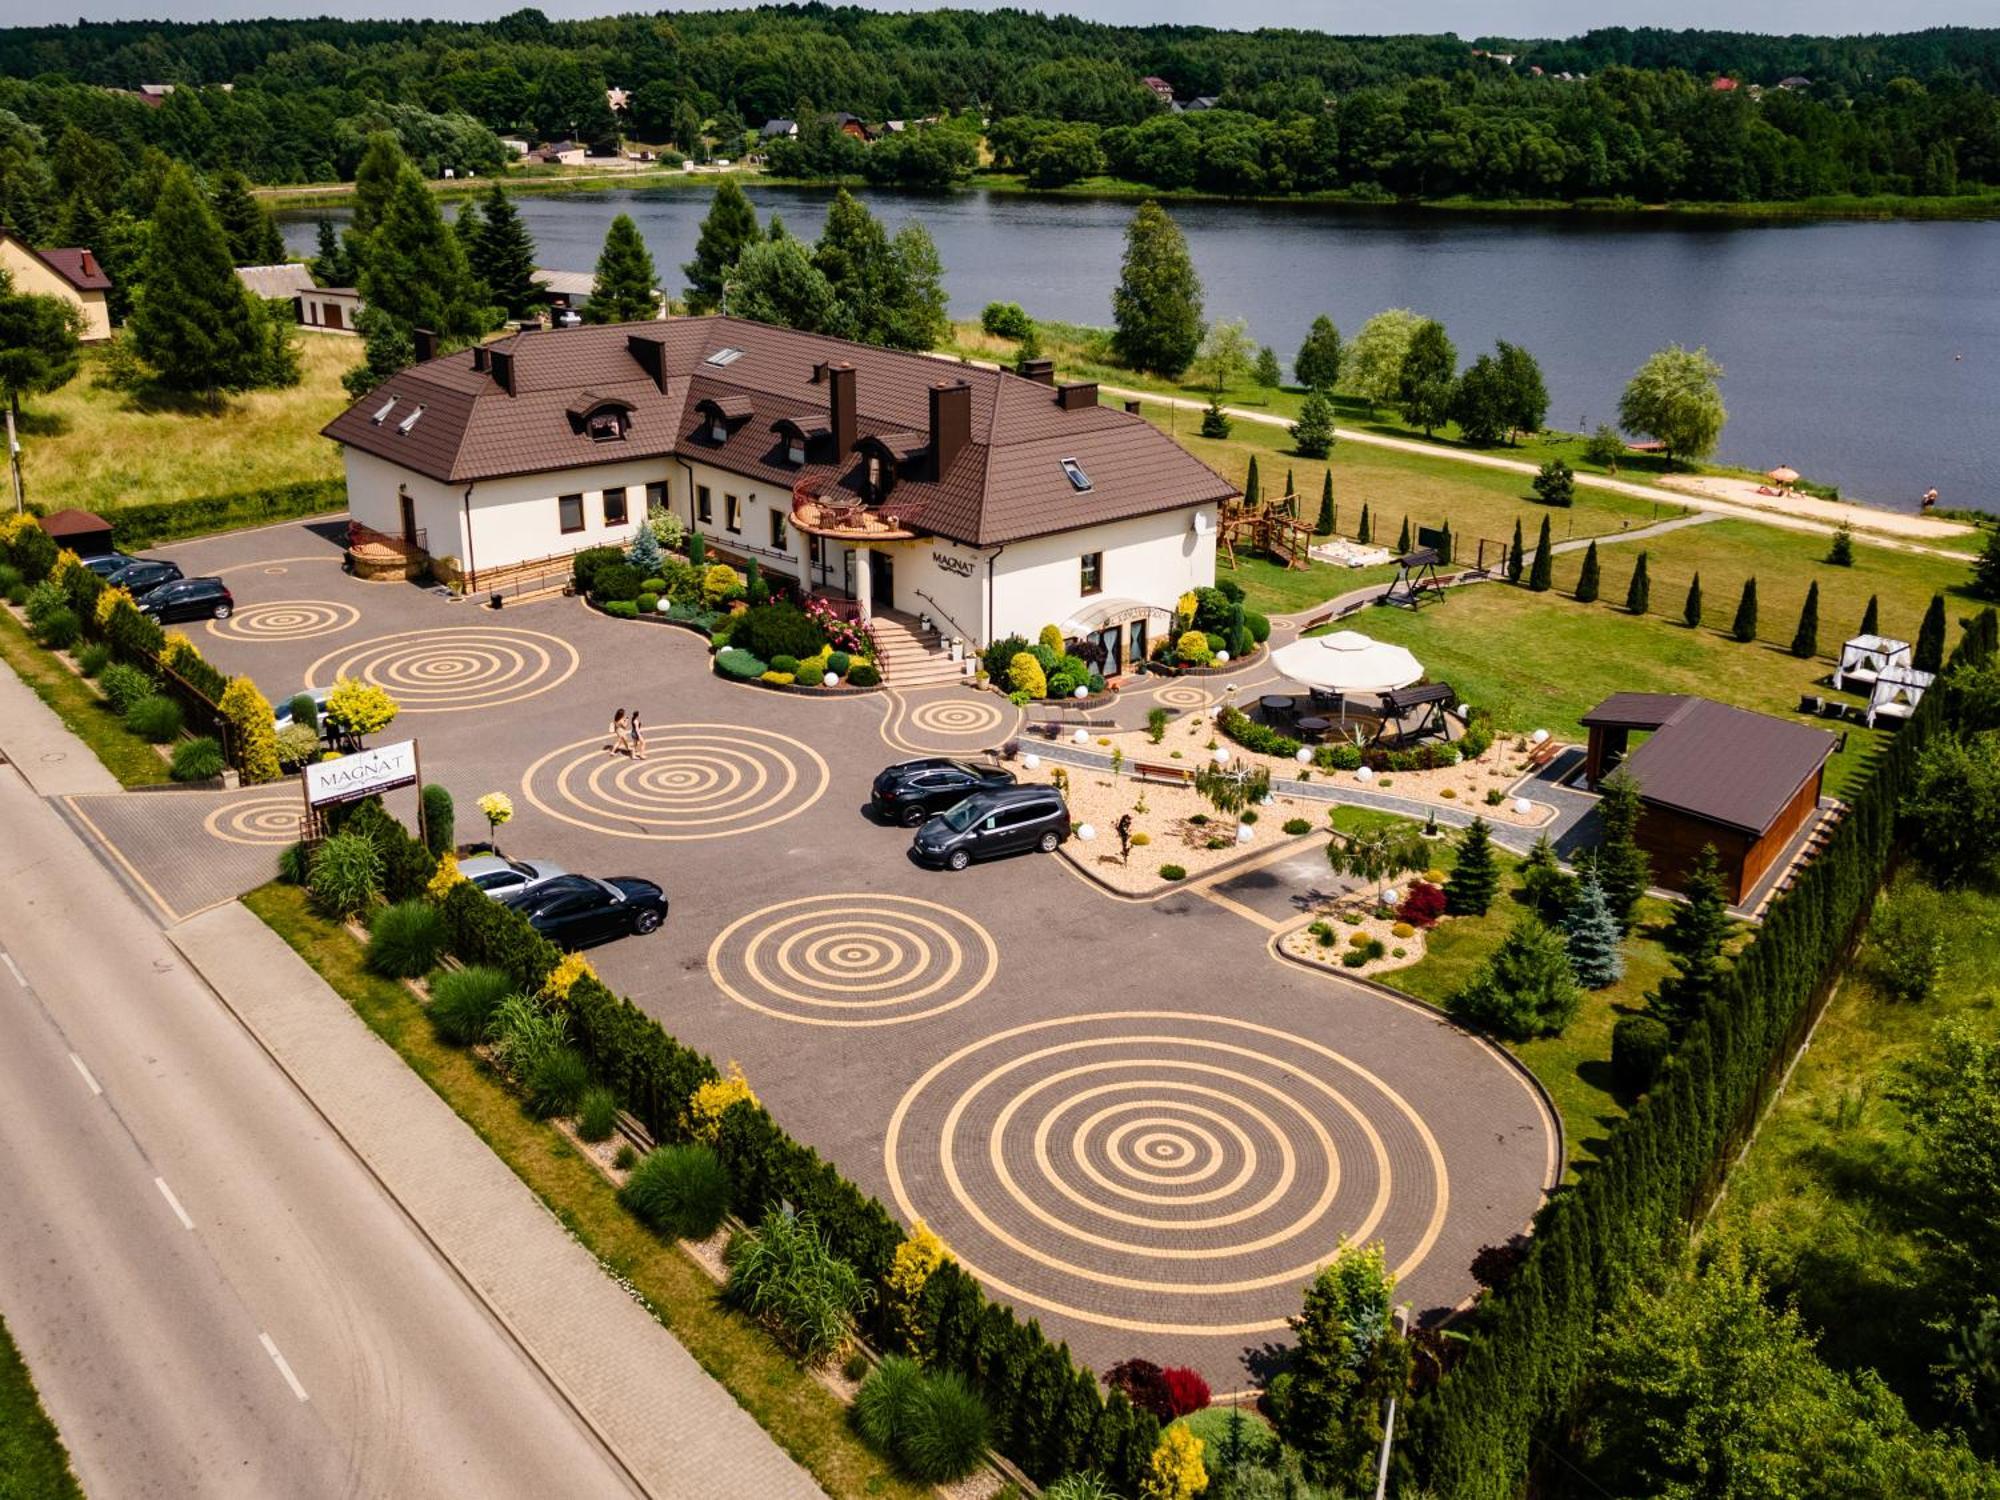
[(1389, 1418)]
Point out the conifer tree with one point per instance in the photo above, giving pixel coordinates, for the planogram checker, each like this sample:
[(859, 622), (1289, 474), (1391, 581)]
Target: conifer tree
[(1691, 611), (414, 275), (1805, 640), (731, 224), (1986, 572), (1639, 594), (1622, 867), (1543, 574), (1253, 490), (331, 266), (1514, 554), (195, 322), (1266, 372), (1317, 364), (1156, 306), (1312, 434), (1549, 888), (1587, 582), (1593, 937), (1929, 653), (645, 553), (253, 239), (622, 291), (1871, 617), (503, 255), (1694, 939), (1744, 628), (1403, 538), (1365, 534), (1475, 877), (1324, 527), (1291, 494), (374, 180)]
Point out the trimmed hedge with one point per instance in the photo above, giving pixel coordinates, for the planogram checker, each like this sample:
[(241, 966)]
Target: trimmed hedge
[(135, 526), (734, 662)]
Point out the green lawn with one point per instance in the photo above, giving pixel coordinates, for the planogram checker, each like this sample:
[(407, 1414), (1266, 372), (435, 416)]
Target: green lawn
[(83, 712), (1822, 1194), (33, 1465), (101, 449), (803, 1416)]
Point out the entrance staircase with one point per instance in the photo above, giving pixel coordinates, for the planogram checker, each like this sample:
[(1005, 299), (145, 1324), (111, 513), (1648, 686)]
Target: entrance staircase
[(910, 657)]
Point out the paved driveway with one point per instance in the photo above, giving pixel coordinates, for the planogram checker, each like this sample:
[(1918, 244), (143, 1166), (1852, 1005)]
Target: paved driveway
[(1131, 1119)]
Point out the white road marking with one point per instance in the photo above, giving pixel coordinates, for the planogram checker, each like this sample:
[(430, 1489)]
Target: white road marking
[(283, 1368), (11, 969), (95, 1087), (173, 1202)]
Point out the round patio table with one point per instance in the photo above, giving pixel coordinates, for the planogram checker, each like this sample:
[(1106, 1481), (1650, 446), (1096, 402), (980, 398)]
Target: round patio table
[(1276, 703), (1315, 725)]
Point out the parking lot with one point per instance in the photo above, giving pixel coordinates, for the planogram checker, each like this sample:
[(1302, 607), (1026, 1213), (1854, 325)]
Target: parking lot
[(1130, 1118)]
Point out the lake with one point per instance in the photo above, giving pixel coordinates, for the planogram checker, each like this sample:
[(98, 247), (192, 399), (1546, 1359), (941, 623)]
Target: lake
[(1863, 354)]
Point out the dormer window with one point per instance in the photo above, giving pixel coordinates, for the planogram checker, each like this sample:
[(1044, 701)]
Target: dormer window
[(607, 426), (795, 451), (874, 475), (382, 412), (718, 431)]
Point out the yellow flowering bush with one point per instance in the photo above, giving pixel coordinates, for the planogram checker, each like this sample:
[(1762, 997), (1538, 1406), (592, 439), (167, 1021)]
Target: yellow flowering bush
[(1176, 1471), (67, 562), (916, 1259), (444, 879), (359, 708), (108, 601), (714, 1099), (177, 648), (1186, 605), (563, 977), (249, 715), (718, 581), (12, 526)]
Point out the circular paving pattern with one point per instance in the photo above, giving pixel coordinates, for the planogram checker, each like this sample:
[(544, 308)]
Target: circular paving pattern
[(451, 671), (1183, 695), (698, 781), (285, 620), (269, 818), (853, 959), (955, 716), (1161, 1172)]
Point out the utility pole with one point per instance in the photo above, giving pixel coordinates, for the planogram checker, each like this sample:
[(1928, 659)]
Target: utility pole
[(14, 462), (1389, 1419)]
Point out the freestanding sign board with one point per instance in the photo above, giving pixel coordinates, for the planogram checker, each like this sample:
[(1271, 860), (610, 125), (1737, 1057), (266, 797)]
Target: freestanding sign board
[(362, 774)]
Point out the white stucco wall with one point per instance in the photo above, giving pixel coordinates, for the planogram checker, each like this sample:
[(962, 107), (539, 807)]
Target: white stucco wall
[(1153, 559), (758, 503), (373, 485)]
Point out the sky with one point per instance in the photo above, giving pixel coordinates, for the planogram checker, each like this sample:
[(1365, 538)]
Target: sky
[(1470, 18)]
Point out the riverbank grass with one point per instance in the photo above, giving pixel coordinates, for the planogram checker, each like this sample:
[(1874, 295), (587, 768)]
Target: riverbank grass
[(801, 1414)]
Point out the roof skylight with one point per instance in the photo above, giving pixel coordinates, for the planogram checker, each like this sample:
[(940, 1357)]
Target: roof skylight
[(1073, 471), (382, 412), (410, 421), (722, 357)]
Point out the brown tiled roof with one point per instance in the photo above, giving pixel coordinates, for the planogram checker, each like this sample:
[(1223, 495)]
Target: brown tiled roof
[(79, 268), (74, 523), (1723, 764), (1634, 711), (1005, 484)]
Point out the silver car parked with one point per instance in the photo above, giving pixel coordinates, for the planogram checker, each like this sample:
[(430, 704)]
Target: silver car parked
[(499, 876)]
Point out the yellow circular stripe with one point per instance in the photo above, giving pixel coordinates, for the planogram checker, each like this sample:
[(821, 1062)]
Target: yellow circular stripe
[(957, 716), (698, 781), (454, 670), (1183, 695), (1163, 1128), (284, 620), (264, 819), (846, 958)]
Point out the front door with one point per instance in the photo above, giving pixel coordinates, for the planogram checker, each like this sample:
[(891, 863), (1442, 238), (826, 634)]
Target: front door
[(333, 315), (1136, 635), (409, 519), (882, 580), (1112, 639)]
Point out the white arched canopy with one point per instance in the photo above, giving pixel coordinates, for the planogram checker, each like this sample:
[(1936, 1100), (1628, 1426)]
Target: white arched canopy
[(1897, 692), (1865, 658), (1348, 662)]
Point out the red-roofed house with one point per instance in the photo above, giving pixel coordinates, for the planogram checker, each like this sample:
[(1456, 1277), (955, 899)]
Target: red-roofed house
[(73, 275), (1159, 86), (1724, 85)]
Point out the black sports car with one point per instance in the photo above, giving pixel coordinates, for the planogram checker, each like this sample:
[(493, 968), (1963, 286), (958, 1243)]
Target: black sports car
[(576, 910), (914, 790)]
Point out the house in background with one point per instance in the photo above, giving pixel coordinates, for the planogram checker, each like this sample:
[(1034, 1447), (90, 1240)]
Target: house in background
[(279, 283), (516, 144), (991, 502), (321, 309), (559, 153), (72, 274), (774, 128), (1162, 90)]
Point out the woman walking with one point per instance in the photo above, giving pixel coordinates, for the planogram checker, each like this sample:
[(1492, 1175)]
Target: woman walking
[(621, 742), (638, 738)]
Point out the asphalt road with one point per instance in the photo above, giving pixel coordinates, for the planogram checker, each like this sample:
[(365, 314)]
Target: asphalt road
[(213, 1294)]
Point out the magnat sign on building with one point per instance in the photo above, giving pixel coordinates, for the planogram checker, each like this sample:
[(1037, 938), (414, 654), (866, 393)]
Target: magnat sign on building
[(992, 502)]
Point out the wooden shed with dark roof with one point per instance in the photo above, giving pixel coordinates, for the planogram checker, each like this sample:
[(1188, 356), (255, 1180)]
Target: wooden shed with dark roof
[(1710, 774)]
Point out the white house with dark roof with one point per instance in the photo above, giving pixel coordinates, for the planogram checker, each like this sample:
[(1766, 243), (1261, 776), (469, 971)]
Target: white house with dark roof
[(991, 502)]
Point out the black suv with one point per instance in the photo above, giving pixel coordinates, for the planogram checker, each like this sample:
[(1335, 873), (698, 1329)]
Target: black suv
[(189, 599), (1010, 820), (144, 573), (572, 910), (912, 791)]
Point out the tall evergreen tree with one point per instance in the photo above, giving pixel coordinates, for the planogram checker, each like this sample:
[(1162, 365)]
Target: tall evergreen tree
[(1805, 640), (1313, 433), (1157, 304), (503, 255), (1639, 593), (1871, 617), (1317, 364), (1929, 654), (730, 226), (195, 323), (1324, 526), (622, 290), (1986, 572), (331, 265), (1622, 867), (1403, 538), (414, 275), (1429, 369), (1594, 937), (253, 239), (1516, 560), (1695, 936), (1253, 491), (1587, 581), (1744, 627), (1548, 887), (374, 180), (1691, 610), (1266, 371), (1475, 876), (1365, 532), (1543, 574)]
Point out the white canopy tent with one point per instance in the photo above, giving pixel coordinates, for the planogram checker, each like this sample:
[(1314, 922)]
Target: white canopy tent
[(1347, 662), (1866, 657), (1897, 692)]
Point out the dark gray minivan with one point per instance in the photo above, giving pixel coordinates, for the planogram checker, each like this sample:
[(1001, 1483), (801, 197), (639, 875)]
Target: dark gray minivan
[(1007, 820)]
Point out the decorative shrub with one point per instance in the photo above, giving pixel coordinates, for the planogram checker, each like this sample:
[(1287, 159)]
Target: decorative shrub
[(623, 609), (944, 1432), (440, 820), (197, 760), (346, 875), (1341, 757), (359, 708), (998, 658), (786, 664), (1297, 825), (58, 628), (1252, 735), (1639, 1047), (680, 1191), (778, 629), (781, 679), (93, 658), (1402, 930), (863, 674), (463, 1002), (616, 582), (294, 863), (1172, 872), (585, 565), (881, 1409), (556, 1082), (1187, 1392), (1353, 958), (44, 599), (1175, 1471), (916, 1260), (1193, 649), (1141, 839), (838, 663), (155, 719), (739, 664), (647, 603), (714, 1098), (784, 1274), (1358, 940), (296, 746), (524, 1032), (1025, 675), (1259, 626), (1422, 905), (405, 941), (249, 715), (1144, 1384), (625, 1157)]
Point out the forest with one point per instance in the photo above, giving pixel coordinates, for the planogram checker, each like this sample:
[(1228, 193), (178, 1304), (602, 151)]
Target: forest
[(1616, 114)]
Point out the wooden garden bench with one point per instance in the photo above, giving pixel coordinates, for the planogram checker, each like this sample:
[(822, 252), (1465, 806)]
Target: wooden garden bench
[(1152, 771)]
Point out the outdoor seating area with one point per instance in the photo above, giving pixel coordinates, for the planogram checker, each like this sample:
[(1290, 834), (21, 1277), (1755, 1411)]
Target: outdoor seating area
[(1866, 657), (1360, 690), (1896, 693)]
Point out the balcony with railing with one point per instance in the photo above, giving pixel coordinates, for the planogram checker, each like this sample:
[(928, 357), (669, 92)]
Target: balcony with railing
[(843, 519)]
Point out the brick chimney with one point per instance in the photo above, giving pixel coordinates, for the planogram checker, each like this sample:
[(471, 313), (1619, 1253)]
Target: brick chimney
[(1079, 395), (1132, 408), (840, 400), (426, 343), (501, 362), (89, 263), (1041, 371), (951, 424)]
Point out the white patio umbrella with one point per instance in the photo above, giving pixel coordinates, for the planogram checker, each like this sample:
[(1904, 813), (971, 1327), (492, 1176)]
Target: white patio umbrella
[(1347, 662)]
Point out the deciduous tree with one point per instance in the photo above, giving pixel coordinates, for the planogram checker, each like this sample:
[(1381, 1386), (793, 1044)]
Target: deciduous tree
[(777, 282), (1157, 304), (38, 343), (1675, 399), (1424, 384), (1372, 365)]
